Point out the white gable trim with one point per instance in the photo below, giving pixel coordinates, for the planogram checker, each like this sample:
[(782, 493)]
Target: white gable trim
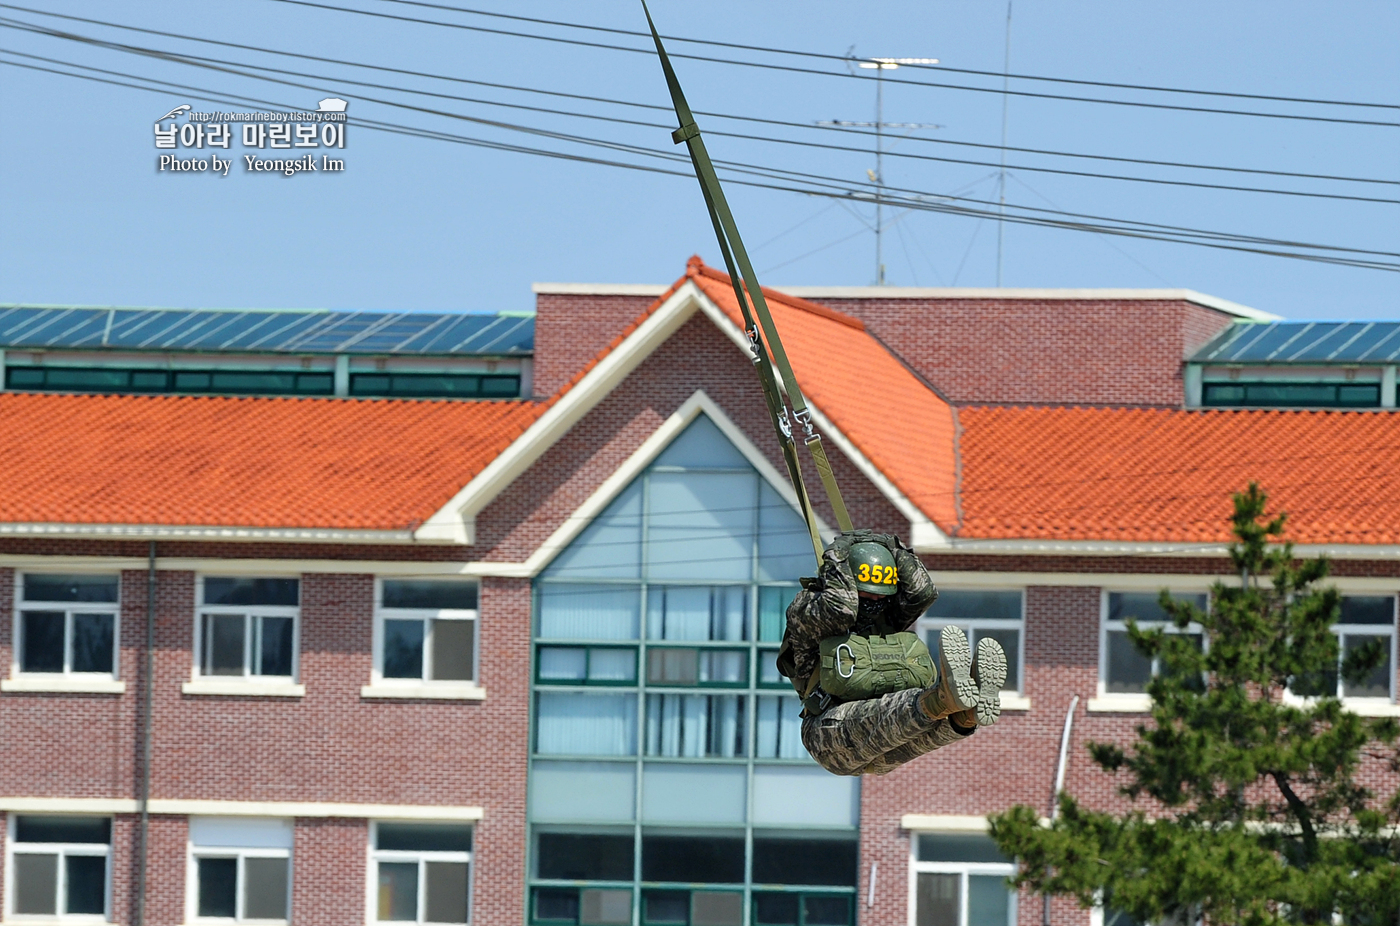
[(923, 533), (456, 521), (699, 403)]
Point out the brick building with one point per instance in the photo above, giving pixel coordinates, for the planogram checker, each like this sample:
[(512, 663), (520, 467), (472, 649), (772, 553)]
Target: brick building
[(440, 619)]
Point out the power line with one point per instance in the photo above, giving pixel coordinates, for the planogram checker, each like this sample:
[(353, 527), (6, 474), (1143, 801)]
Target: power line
[(830, 189), (650, 106), (841, 74), (939, 67), (227, 66)]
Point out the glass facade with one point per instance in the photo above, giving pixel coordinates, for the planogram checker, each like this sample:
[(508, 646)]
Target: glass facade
[(668, 783)]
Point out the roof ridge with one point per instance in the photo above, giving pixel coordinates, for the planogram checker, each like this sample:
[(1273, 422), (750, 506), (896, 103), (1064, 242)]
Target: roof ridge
[(697, 267)]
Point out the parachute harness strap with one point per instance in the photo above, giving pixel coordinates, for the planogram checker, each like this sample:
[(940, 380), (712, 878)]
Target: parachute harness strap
[(749, 295)]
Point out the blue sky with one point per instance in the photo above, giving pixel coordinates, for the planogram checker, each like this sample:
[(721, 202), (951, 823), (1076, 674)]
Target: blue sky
[(420, 224)]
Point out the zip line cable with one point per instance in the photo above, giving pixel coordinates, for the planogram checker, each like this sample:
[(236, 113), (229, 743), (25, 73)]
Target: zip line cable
[(834, 190), (38, 29), (841, 74), (930, 67), (225, 65)]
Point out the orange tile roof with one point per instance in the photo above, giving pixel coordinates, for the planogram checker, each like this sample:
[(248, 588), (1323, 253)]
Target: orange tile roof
[(892, 417), (1167, 475), (246, 462)]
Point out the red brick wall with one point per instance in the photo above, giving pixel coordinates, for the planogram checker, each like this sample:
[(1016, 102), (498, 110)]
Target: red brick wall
[(570, 330), (1051, 351)]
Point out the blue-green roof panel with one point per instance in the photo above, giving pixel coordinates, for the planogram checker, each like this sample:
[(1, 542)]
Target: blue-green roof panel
[(1304, 343)]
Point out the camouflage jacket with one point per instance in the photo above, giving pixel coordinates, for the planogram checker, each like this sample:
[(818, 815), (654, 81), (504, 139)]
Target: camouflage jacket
[(829, 604)]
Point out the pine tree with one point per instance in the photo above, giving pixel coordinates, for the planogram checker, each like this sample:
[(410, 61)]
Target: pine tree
[(1247, 808)]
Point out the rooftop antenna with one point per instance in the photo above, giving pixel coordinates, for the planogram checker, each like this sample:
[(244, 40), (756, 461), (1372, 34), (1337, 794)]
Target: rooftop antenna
[(877, 176)]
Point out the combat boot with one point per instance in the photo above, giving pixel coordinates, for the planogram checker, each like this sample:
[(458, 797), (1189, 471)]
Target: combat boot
[(955, 689), (989, 671)]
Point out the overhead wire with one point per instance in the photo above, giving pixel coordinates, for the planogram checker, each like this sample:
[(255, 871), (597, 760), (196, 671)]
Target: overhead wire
[(655, 107), (830, 187)]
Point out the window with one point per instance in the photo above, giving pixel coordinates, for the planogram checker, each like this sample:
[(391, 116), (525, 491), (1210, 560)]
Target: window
[(240, 870), (1365, 620), (247, 628), (1123, 670), (60, 866), (67, 624), (995, 614), (426, 632), (443, 385), (111, 379), (423, 872), (1313, 395), (960, 880)]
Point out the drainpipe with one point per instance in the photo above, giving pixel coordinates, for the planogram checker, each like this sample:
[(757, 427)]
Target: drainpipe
[(144, 797), (1059, 786)]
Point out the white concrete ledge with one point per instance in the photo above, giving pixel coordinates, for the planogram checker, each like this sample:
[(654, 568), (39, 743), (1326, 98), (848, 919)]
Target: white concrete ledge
[(239, 688), (1121, 704), (60, 684), (438, 691), (94, 805), (1371, 707), (943, 823), (1015, 702), (315, 809), (599, 289)]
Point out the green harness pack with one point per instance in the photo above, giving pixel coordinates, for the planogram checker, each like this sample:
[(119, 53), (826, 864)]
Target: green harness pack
[(855, 667)]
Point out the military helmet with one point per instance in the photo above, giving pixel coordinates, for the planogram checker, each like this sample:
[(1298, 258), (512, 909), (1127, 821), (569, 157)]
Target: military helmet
[(872, 564)]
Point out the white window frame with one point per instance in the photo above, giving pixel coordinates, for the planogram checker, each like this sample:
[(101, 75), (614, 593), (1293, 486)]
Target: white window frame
[(195, 853), (926, 623), (381, 614), (1365, 706), (916, 868), (252, 634), (70, 608), (377, 855), (1134, 701), (61, 849)]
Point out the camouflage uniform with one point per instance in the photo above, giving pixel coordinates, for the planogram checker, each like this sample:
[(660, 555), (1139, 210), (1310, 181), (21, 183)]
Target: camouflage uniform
[(876, 735)]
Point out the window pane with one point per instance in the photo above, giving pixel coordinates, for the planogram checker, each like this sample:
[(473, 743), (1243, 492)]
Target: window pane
[(563, 664), (223, 644), (724, 667), (70, 588), (937, 900), (276, 656), (665, 907), (424, 837), (1367, 609), (315, 383), (218, 886), (578, 857), (60, 378), (779, 728), (87, 883), (708, 908), (403, 649), (775, 909), (988, 900), (1144, 606), (416, 593), (589, 612), (94, 830), (954, 847), (189, 381), (36, 883), (696, 726), (672, 666), (154, 380), (1377, 683), (612, 665), (225, 380), (610, 547), (804, 861), (43, 642), (784, 545), (251, 591), (967, 604), (586, 725), (398, 891), (701, 525), (680, 612), (447, 892), (768, 673), (605, 908), (833, 911), (1010, 641), (20, 377), (92, 642), (695, 859), (772, 611), (453, 645), (1128, 670), (702, 445), (265, 888)]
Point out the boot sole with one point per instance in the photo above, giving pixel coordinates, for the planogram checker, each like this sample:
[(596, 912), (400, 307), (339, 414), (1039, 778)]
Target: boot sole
[(955, 662), (989, 670)]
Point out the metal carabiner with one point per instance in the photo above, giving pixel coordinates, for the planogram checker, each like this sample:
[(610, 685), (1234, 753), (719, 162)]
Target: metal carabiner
[(847, 648)]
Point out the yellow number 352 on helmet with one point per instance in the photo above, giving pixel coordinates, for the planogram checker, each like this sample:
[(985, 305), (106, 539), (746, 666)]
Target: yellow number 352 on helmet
[(874, 570)]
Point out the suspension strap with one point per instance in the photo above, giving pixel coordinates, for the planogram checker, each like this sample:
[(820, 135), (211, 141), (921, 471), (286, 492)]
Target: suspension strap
[(749, 291)]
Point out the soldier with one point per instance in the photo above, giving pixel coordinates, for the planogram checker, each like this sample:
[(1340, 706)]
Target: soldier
[(871, 586)]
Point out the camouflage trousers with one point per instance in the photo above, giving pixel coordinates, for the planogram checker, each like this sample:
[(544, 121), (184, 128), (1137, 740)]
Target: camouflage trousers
[(875, 736)]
